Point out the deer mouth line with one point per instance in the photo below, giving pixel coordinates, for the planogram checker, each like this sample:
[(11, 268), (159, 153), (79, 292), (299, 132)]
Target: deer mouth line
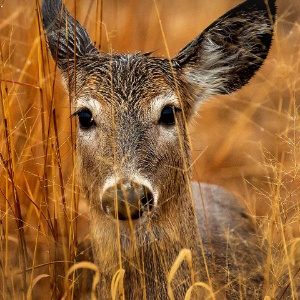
[(126, 201)]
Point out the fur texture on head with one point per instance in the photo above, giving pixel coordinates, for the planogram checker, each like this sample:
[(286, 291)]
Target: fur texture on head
[(219, 61)]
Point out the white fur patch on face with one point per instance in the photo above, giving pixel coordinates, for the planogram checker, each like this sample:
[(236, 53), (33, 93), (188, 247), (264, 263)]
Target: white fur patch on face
[(89, 103), (159, 102), (167, 133)]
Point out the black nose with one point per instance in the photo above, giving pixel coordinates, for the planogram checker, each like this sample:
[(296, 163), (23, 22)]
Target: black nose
[(127, 200)]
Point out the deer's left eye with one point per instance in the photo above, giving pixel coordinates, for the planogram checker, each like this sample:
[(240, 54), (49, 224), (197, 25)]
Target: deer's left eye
[(167, 116), (85, 118)]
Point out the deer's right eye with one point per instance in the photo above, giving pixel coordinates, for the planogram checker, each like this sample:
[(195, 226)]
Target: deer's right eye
[(85, 118)]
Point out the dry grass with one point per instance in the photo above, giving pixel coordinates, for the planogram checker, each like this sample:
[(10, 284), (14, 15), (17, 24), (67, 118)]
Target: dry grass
[(247, 142)]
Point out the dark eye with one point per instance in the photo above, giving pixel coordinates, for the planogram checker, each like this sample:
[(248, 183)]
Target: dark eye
[(85, 119), (167, 116)]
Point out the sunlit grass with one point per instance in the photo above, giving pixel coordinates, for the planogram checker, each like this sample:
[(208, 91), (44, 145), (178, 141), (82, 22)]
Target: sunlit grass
[(247, 142)]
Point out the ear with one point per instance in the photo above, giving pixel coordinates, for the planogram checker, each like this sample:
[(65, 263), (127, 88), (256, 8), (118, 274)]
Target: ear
[(227, 54), (67, 39)]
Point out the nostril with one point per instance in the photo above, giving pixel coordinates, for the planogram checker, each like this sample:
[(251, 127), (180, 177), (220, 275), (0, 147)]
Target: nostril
[(147, 200), (127, 201)]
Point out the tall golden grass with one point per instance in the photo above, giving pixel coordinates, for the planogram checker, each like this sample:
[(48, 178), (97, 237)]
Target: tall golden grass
[(247, 142)]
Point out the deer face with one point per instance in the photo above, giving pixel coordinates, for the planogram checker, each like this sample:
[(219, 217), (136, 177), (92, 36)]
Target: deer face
[(130, 126), (132, 109)]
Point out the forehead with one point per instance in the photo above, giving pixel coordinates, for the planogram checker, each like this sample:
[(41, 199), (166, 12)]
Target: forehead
[(123, 78)]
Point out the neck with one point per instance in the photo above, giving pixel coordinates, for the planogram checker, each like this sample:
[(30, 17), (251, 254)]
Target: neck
[(145, 249)]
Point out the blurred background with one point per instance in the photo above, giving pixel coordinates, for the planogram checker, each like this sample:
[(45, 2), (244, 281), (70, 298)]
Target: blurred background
[(247, 142)]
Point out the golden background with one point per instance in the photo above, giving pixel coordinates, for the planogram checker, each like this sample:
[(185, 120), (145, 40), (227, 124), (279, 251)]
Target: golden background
[(247, 142)]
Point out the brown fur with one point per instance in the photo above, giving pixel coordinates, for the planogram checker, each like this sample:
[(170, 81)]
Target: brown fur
[(125, 96)]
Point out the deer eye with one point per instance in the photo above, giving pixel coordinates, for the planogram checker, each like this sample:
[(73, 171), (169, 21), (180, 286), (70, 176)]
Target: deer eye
[(85, 118), (167, 116)]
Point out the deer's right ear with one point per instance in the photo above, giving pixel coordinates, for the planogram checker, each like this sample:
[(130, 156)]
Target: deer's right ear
[(228, 53), (67, 39)]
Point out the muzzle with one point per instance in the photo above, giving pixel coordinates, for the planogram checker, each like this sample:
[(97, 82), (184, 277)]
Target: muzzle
[(127, 200)]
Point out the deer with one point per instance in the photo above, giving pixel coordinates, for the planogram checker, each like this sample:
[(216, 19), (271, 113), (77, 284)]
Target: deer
[(133, 112)]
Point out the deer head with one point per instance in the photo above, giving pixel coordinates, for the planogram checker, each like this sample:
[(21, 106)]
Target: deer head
[(132, 110)]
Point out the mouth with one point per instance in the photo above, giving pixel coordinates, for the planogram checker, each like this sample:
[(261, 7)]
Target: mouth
[(127, 200)]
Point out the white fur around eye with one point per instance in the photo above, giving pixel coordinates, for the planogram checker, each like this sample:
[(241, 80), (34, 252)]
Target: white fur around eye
[(166, 133), (91, 104), (159, 102)]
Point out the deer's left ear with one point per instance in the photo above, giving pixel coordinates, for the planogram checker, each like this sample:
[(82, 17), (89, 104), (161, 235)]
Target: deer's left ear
[(228, 53), (67, 39)]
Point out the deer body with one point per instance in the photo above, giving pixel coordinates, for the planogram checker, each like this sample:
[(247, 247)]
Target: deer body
[(134, 157)]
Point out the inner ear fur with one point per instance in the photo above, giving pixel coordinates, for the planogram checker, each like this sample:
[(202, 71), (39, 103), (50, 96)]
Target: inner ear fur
[(67, 39), (227, 54)]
